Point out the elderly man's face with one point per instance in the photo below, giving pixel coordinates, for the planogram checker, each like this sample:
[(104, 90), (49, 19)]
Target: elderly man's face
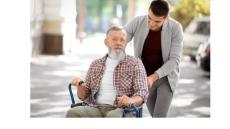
[(116, 41)]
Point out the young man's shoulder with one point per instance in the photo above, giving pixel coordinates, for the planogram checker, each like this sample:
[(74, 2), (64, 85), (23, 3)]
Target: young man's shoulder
[(173, 22), (141, 18)]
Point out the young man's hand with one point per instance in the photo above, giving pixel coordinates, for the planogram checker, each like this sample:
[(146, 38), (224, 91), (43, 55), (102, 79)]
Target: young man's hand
[(151, 79)]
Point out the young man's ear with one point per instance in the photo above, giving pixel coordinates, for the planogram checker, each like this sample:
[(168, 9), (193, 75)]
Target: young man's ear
[(165, 17)]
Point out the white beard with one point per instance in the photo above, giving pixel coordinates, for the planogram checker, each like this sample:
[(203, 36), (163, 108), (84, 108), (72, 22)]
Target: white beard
[(117, 54)]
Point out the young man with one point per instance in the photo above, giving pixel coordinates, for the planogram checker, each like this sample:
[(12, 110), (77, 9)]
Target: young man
[(112, 82), (158, 43)]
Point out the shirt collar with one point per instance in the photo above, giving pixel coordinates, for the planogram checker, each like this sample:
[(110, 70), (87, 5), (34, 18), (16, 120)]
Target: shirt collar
[(106, 56)]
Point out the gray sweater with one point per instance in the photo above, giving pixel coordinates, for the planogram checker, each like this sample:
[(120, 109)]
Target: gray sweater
[(171, 43)]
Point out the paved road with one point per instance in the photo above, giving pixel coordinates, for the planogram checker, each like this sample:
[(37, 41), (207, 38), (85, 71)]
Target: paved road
[(50, 76), (192, 96)]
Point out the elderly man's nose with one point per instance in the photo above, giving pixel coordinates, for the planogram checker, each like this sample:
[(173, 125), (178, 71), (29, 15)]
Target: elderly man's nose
[(119, 42)]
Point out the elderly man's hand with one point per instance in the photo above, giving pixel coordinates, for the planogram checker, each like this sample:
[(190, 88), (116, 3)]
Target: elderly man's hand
[(82, 90), (75, 81), (124, 101)]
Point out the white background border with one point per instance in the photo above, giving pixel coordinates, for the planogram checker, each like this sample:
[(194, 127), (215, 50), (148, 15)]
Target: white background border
[(15, 77)]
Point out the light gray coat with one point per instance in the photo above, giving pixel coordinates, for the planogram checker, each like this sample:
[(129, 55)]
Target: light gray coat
[(171, 45)]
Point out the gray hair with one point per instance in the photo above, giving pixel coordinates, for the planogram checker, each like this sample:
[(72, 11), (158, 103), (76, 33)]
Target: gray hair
[(115, 28)]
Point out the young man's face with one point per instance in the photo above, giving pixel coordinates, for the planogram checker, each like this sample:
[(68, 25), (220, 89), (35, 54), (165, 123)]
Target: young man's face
[(116, 41), (155, 22)]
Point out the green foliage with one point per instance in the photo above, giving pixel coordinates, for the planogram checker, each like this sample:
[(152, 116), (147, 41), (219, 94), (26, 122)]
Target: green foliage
[(185, 10), (95, 7)]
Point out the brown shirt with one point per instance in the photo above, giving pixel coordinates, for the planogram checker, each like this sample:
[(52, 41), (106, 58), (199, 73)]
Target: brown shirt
[(151, 53)]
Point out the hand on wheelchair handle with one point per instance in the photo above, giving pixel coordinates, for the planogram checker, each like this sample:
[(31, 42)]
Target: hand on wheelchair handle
[(83, 91), (76, 81)]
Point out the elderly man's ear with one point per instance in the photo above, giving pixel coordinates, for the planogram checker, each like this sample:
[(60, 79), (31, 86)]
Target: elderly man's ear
[(105, 41)]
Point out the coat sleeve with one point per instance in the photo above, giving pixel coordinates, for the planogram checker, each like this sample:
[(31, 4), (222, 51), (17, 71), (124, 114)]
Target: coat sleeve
[(175, 52)]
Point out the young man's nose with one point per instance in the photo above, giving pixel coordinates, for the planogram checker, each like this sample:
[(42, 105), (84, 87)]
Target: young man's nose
[(151, 23)]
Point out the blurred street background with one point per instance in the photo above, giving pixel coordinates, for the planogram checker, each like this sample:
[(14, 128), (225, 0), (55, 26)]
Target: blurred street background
[(67, 35)]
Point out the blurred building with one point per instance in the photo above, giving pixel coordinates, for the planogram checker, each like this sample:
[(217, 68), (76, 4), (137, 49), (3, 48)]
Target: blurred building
[(55, 24), (45, 26)]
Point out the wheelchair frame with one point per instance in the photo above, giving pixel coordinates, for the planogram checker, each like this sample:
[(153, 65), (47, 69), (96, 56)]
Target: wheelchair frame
[(137, 111)]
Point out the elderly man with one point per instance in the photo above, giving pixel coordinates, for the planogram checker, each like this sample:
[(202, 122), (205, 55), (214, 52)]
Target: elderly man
[(112, 82)]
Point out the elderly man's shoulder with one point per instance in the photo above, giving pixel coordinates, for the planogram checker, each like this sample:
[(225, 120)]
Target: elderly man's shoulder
[(98, 61), (133, 60)]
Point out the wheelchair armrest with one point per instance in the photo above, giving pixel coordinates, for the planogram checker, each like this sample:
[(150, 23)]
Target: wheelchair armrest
[(78, 104)]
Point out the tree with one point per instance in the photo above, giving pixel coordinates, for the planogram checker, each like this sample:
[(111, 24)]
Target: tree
[(185, 10)]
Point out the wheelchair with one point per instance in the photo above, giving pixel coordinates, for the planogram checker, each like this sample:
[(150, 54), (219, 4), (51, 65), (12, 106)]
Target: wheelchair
[(135, 110)]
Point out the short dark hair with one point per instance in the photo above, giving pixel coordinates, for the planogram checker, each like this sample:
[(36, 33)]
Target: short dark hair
[(159, 7)]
